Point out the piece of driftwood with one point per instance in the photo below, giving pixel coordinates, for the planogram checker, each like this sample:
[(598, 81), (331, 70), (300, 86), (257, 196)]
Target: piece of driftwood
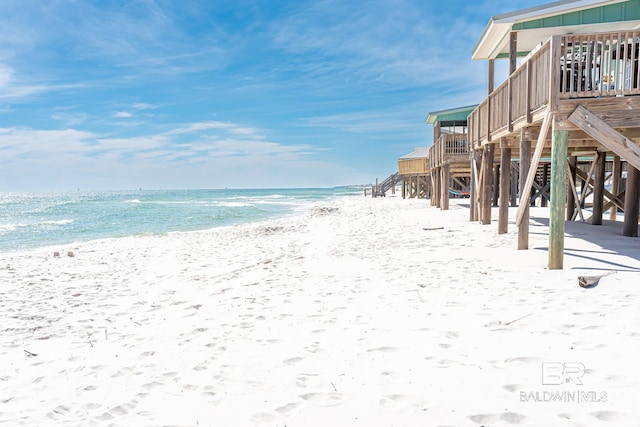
[(519, 318), (432, 228), (592, 281)]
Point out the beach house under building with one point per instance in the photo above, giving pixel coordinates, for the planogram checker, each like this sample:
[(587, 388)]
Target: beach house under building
[(449, 155), (572, 101), (414, 170)]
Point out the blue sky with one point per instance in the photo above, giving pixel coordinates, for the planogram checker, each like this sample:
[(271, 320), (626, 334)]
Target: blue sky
[(122, 94)]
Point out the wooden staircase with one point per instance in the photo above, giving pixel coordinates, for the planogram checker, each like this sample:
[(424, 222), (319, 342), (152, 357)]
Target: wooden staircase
[(381, 189)]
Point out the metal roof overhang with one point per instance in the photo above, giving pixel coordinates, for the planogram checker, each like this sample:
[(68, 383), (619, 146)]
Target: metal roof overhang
[(494, 41)]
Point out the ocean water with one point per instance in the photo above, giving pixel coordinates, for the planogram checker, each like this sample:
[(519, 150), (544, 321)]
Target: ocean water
[(32, 220)]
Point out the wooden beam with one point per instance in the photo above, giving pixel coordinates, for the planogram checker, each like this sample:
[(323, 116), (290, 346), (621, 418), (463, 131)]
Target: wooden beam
[(513, 196), (513, 51), (491, 77), (487, 185), (616, 173), (631, 201), (572, 196), (587, 181), (525, 160), (404, 187), (612, 197), (542, 192), (598, 189), (545, 185), (445, 187), (559, 144), (496, 185), (480, 183), (606, 135), (505, 190), (574, 200), (437, 186), (526, 189), (554, 79), (462, 185), (473, 202), (616, 203)]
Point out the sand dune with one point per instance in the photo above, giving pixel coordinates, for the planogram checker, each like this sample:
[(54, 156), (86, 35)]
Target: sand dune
[(372, 312)]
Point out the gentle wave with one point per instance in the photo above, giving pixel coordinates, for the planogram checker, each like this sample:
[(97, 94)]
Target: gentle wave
[(31, 220), (14, 226), (234, 204)]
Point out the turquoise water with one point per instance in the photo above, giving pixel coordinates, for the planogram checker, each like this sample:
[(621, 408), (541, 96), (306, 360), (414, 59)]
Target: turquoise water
[(31, 220)]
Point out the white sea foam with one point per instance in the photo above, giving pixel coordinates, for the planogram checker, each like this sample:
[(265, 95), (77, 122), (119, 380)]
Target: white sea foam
[(234, 204)]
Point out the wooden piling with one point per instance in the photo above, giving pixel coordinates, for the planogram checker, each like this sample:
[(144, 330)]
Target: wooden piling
[(525, 162), (505, 183), (513, 200), (445, 186), (487, 185), (631, 202), (571, 202), (616, 173), (545, 182), (474, 213), (559, 146), (598, 189), (438, 188), (404, 187), (496, 185)]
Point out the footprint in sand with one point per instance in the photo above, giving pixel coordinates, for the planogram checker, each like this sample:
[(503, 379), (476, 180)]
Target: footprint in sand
[(90, 406), (483, 418), (383, 349), (512, 388), (262, 417), (105, 417), (397, 401), (288, 408), (149, 386), (508, 417), (512, 417), (323, 399), (524, 360), (200, 367), (119, 410), (292, 360), (607, 415)]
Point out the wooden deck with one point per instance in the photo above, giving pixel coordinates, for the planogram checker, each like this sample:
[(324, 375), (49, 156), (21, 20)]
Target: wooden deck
[(566, 71), (573, 97), (452, 149)]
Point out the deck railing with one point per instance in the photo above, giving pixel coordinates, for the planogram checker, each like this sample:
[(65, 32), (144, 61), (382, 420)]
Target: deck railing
[(565, 67), (448, 147)]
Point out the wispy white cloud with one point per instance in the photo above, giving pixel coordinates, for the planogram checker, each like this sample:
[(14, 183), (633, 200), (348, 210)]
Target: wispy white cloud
[(70, 118), (144, 106), (31, 144), (122, 114), (196, 127)]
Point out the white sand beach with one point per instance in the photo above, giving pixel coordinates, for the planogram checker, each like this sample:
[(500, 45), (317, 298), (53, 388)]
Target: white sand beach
[(365, 312)]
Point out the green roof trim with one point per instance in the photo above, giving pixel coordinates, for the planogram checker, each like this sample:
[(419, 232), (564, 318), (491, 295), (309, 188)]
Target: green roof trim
[(618, 12), (452, 115), (518, 55)]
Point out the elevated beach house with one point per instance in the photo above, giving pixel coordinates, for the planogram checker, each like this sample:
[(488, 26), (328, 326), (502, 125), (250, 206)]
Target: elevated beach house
[(414, 170), (572, 96), (449, 155)]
